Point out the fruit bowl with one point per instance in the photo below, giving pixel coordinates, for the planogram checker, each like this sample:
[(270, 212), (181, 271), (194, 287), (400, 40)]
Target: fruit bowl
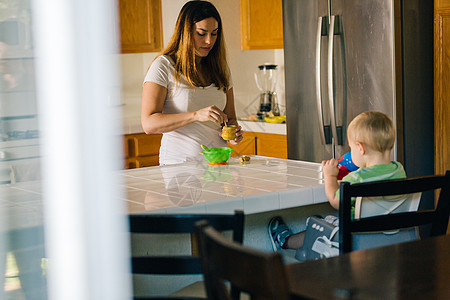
[(217, 155)]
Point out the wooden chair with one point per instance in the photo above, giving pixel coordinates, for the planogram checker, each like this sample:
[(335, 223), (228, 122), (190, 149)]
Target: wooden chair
[(438, 218), (260, 274), (182, 264)]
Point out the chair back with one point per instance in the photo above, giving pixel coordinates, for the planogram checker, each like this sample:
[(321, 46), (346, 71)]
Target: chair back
[(438, 218), (260, 274), (375, 206), (176, 224)]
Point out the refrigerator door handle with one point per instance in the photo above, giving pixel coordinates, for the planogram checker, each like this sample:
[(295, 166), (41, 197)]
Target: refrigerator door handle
[(318, 82), (330, 79)]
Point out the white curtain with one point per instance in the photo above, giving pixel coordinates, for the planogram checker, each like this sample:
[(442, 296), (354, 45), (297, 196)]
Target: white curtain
[(77, 79)]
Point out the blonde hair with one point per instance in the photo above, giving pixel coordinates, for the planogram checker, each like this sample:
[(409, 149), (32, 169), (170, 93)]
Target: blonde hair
[(181, 47), (373, 128)]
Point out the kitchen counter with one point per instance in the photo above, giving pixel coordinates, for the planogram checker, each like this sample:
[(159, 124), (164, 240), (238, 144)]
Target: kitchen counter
[(264, 127), (131, 122), (261, 185), (21, 204)]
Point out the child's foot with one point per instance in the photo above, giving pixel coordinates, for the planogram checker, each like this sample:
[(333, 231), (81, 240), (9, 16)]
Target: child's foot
[(278, 233)]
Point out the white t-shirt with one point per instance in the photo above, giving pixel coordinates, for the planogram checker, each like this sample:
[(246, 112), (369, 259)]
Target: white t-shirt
[(183, 144)]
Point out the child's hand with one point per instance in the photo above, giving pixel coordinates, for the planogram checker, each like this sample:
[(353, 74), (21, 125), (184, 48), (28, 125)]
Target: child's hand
[(329, 167), (330, 173)]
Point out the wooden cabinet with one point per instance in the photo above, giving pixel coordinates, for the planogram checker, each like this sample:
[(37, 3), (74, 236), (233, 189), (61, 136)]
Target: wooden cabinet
[(140, 26), (261, 24), (273, 145), (265, 144), (442, 86), (142, 150), (246, 147)]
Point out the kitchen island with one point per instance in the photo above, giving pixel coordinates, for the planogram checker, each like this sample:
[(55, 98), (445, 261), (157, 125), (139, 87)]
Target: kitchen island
[(261, 185), (262, 188)]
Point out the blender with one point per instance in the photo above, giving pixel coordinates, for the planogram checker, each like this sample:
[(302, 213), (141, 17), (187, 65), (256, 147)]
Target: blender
[(266, 79)]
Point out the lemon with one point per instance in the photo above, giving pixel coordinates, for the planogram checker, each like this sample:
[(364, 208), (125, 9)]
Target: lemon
[(276, 119)]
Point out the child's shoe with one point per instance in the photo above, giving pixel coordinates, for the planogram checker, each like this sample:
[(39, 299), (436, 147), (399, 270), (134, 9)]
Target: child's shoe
[(278, 233)]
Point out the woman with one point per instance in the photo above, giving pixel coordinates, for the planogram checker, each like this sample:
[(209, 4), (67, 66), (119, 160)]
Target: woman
[(187, 93)]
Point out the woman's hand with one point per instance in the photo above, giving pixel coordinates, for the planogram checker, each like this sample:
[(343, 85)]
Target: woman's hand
[(329, 167), (239, 136), (211, 113)]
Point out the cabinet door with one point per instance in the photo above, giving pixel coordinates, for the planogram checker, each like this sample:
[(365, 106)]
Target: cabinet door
[(441, 4), (246, 147), (261, 24), (147, 161), (147, 144), (442, 87), (142, 150), (140, 26), (273, 145)]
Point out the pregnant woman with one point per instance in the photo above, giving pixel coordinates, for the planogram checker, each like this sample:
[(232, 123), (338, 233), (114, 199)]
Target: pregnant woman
[(187, 92)]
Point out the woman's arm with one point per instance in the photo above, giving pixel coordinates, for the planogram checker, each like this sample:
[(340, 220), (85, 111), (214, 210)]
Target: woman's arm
[(229, 109), (154, 121), (231, 114)]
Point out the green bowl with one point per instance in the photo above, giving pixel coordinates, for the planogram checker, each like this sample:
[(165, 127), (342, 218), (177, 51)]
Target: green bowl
[(217, 154)]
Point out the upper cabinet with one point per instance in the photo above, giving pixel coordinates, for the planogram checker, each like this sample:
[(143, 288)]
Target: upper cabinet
[(140, 26), (261, 24)]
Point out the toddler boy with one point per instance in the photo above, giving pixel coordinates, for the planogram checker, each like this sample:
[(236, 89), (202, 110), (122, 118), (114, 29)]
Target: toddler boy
[(371, 137)]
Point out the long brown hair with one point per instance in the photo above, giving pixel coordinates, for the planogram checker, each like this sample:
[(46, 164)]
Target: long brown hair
[(181, 47)]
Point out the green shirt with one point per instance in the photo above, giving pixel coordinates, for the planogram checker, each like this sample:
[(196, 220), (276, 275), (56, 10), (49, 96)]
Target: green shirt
[(393, 170)]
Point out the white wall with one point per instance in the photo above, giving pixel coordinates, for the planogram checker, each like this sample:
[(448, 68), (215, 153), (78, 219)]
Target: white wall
[(243, 64)]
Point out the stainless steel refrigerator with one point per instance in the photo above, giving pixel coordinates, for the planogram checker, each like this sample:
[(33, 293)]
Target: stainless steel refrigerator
[(343, 57)]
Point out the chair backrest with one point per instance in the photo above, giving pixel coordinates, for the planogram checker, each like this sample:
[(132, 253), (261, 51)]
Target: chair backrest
[(375, 206), (438, 218), (176, 224), (260, 274)]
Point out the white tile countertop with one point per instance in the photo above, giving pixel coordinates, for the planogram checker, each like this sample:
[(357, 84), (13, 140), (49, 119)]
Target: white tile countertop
[(131, 122), (261, 185), (21, 205)]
